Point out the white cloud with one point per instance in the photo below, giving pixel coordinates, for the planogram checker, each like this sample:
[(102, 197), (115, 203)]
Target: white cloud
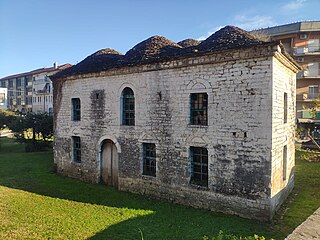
[(294, 5), (209, 33), (245, 22), (254, 22)]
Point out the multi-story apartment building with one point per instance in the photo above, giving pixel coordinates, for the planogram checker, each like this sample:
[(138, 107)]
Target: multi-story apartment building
[(302, 41), (31, 91)]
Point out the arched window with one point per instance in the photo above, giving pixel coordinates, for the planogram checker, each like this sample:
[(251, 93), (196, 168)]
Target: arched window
[(128, 107)]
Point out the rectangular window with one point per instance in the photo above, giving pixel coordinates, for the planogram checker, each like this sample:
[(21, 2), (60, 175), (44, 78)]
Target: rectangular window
[(285, 108), (285, 156), (10, 83), (18, 82), (76, 149), (314, 45), (28, 100), (76, 109), (313, 91), (198, 109), (313, 69), (303, 36), (199, 166), (3, 84), (149, 159)]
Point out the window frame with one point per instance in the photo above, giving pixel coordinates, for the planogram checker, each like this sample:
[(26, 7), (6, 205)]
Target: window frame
[(76, 157), (284, 162), (202, 154), (313, 94), (199, 109), (127, 107), (285, 107), (149, 159), (76, 109)]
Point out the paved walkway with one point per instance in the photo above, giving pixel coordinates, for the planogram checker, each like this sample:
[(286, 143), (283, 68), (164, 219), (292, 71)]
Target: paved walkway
[(309, 229), (5, 133)]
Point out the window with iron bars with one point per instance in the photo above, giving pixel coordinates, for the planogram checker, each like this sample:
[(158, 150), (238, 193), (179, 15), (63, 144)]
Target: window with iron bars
[(199, 166), (76, 149), (199, 109), (128, 111), (149, 159), (76, 109)]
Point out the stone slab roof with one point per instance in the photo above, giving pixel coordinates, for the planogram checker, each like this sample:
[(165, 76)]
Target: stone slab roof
[(157, 49), (227, 38), (99, 61), (189, 43)]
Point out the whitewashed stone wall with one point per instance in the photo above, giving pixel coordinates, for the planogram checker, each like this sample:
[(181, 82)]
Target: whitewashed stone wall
[(244, 136), (282, 182)]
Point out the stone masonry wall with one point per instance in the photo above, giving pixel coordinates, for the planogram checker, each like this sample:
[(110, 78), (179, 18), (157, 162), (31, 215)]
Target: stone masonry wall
[(238, 136), (282, 181)]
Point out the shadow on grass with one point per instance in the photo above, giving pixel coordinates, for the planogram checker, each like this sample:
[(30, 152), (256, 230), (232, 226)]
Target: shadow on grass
[(33, 172)]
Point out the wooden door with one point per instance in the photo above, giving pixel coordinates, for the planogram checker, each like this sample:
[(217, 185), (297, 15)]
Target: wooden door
[(109, 163)]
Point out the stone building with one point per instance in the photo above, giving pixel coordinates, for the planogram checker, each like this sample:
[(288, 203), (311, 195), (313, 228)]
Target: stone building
[(207, 124)]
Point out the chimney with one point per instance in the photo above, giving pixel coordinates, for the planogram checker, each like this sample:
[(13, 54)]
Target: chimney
[(55, 65)]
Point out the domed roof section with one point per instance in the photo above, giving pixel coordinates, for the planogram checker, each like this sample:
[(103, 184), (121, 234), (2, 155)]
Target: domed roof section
[(106, 51), (155, 47), (227, 38), (188, 43), (101, 60)]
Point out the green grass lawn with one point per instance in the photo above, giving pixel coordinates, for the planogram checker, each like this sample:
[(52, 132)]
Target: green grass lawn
[(35, 203)]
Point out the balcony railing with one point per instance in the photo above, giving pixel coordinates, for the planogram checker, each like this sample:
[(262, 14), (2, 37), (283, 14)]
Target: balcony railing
[(307, 114), (45, 91), (307, 96), (305, 50), (307, 73)]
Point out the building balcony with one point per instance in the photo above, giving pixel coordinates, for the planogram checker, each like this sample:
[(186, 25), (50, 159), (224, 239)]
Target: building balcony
[(308, 74), (308, 116), (42, 80), (44, 91), (307, 97), (306, 51)]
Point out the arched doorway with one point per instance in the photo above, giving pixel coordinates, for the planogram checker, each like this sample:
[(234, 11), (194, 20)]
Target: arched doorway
[(109, 163)]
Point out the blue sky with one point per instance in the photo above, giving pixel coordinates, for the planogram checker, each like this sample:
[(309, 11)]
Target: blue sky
[(37, 33)]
